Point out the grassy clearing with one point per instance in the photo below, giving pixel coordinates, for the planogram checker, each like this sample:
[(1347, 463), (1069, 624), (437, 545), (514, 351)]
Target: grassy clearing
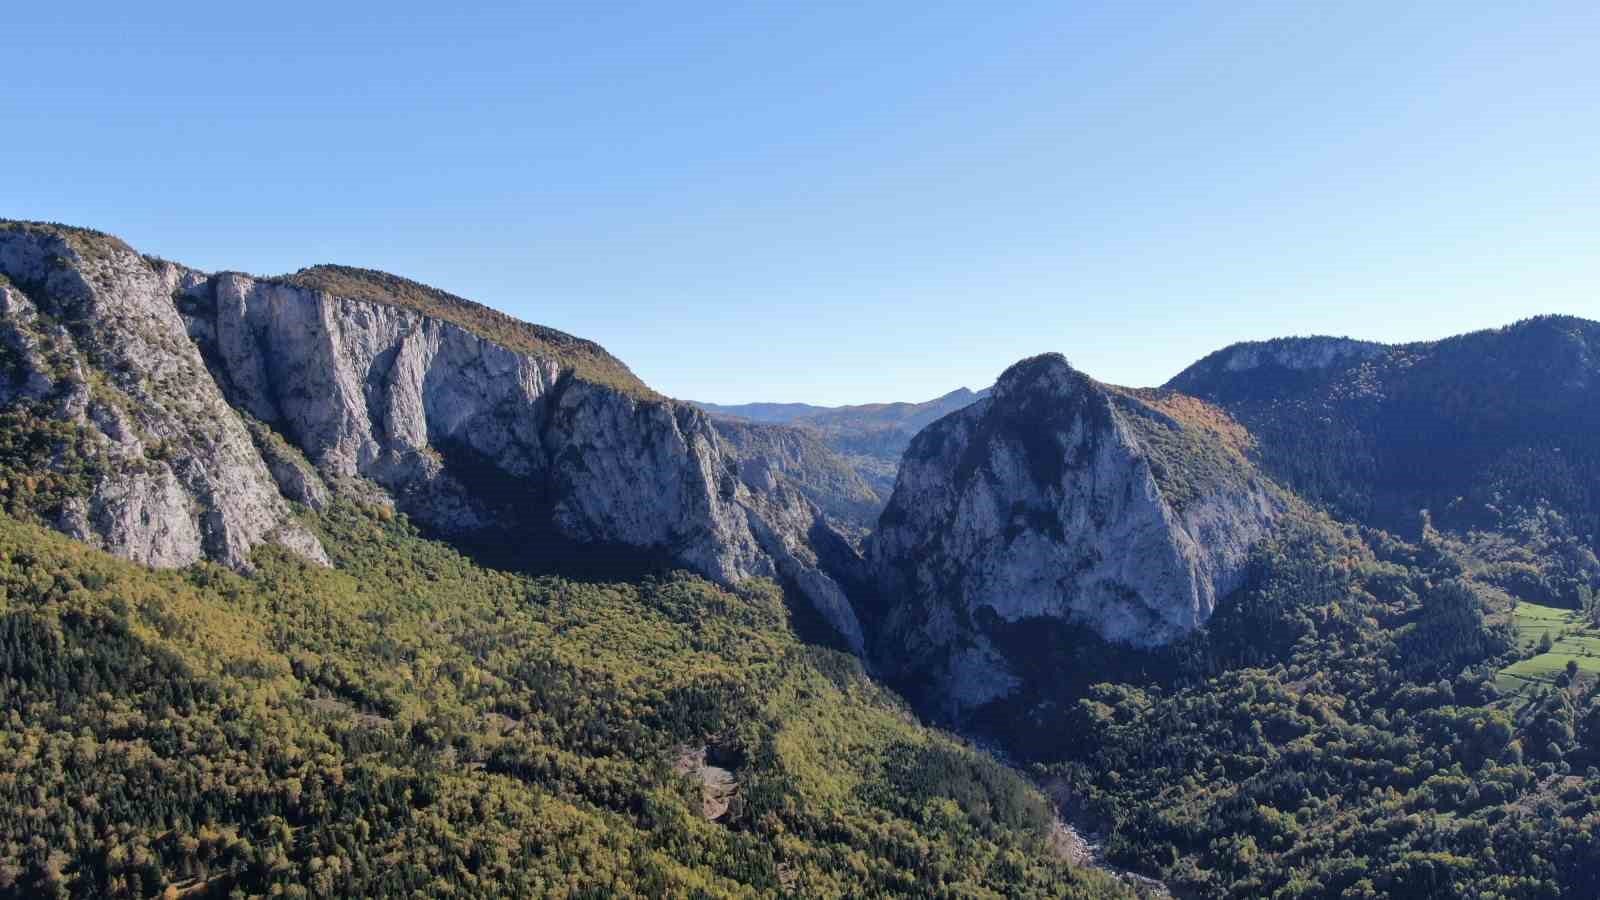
[(1571, 637)]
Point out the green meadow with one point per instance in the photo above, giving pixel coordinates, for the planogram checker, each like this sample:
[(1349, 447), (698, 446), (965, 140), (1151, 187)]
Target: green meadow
[(1571, 639)]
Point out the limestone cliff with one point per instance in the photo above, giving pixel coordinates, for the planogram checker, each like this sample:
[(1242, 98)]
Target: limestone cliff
[(136, 449), (1128, 512), (341, 380)]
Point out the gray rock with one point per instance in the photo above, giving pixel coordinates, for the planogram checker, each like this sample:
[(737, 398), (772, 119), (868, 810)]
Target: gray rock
[(470, 437), (210, 402), (171, 473), (1061, 498)]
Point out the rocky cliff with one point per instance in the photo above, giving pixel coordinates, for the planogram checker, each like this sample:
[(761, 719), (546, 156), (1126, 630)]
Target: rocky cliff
[(1129, 513), (116, 424), (203, 401)]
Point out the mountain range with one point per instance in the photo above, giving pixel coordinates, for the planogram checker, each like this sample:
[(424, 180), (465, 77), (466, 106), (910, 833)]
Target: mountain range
[(337, 583), (869, 438)]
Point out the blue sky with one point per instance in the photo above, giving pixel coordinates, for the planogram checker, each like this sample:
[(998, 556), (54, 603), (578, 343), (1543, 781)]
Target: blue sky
[(836, 203)]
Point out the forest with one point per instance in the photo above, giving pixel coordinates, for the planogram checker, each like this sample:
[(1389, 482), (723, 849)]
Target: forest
[(413, 723), (1338, 730)]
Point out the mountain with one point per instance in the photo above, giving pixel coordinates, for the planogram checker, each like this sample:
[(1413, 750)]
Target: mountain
[(1190, 615), (766, 413), (367, 598), (870, 438), (168, 408), (1470, 428), (336, 584), (1058, 499)]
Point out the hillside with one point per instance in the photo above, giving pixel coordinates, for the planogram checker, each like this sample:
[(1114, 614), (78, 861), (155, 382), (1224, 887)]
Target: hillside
[(409, 723), (1285, 706), (1471, 427)]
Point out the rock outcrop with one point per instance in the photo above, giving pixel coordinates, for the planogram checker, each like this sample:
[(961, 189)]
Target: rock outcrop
[(1290, 354), (528, 438), (146, 459), (1130, 513)]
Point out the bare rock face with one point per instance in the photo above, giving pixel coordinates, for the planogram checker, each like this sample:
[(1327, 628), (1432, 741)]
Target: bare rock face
[(473, 438), (138, 452), (1127, 512), (180, 412)]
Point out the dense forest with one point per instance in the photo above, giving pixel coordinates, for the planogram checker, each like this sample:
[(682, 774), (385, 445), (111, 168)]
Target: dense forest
[(1338, 729), (413, 723), (1470, 427)]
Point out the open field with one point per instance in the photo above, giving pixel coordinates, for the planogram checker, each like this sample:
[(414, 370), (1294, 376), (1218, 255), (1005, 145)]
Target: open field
[(1573, 640)]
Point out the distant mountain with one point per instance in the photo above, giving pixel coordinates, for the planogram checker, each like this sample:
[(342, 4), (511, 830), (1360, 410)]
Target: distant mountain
[(799, 455), (870, 437), (1469, 428), (768, 413)]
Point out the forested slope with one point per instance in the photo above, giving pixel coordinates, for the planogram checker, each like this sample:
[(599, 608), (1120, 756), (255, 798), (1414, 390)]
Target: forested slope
[(411, 723)]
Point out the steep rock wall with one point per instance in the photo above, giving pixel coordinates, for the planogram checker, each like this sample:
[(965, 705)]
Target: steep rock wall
[(259, 390), (1060, 498), (161, 470)]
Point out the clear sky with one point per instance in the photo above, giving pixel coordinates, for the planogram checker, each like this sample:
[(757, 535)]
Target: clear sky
[(845, 202)]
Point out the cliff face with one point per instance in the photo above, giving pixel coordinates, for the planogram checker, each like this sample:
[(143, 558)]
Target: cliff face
[(272, 390), (144, 457), (1129, 513)]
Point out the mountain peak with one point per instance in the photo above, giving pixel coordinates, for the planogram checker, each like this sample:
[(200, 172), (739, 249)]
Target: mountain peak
[(1047, 371)]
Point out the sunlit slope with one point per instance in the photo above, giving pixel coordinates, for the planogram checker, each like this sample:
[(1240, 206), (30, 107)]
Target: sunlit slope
[(410, 723)]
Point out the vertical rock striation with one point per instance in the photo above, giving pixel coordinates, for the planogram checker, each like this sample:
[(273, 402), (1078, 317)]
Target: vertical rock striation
[(146, 457), (262, 389), (1129, 513)]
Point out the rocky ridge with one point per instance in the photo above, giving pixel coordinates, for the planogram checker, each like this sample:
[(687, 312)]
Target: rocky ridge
[(261, 391)]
